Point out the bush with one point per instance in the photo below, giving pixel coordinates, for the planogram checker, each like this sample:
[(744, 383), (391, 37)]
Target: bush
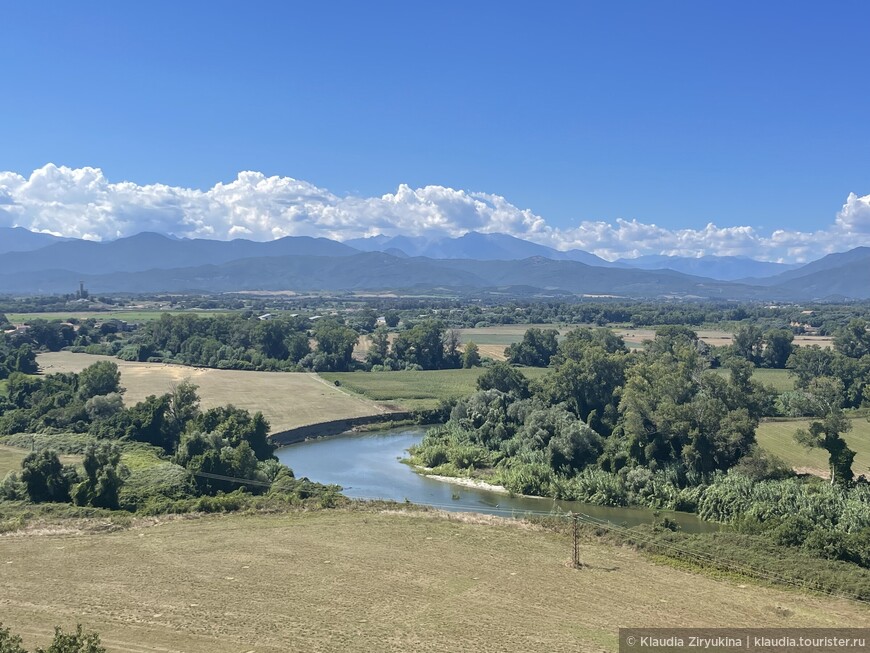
[(528, 478), (75, 642), (793, 531), (164, 480), (433, 455), (12, 488), (66, 443), (45, 478)]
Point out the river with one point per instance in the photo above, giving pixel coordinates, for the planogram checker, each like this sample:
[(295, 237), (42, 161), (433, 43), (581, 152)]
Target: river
[(367, 466)]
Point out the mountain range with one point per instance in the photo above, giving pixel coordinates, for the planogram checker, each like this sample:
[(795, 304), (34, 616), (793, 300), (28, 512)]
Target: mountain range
[(471, 264), (18, 239)]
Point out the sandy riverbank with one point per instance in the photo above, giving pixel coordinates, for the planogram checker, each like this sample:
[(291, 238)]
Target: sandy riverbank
[(466, 482)]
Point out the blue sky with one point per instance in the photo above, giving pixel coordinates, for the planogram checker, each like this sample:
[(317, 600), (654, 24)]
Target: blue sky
[(673, 113)]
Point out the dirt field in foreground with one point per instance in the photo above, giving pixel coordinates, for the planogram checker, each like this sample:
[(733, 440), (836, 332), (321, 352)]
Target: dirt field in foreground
[(344, 581), (288, 400)]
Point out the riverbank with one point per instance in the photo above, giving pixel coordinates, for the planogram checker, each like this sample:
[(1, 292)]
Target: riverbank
[(375, 466), (464, 481)]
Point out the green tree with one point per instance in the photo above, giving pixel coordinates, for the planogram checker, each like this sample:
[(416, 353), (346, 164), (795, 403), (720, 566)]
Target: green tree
[(748, 343), (452, 354), (471, 356), (104, 476), (391, 319), (777, 347), (103, 407), (336, 342), (808, 363), (422, 344), (22, 359), (536, 348), (853, 340), (365, 321), (569, 444), (587, 376), (504, 378), (827, 395), (237, 425), (218, 466), (269, 336), (101, 378), (148, 421), (297, 345), (45, 478), (379, 348), (673, 412), (183, 406)]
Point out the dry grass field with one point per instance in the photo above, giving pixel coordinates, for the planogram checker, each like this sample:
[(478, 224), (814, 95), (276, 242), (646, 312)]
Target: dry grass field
[(288, 400), (357, 581), (778, 439), (716, 338), (493, 340)]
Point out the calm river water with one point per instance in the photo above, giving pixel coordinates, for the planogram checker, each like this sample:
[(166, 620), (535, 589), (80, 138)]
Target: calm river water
[(367, 466)]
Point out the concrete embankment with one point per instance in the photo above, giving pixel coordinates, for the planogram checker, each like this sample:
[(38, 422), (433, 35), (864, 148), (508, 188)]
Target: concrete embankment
[(334, 427)]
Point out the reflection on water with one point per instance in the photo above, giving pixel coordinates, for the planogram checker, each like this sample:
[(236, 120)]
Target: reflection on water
[(367, 466)]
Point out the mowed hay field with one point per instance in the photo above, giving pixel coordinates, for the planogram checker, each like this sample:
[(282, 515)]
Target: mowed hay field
[(778, 438), (714, 337), (286, 399), (413, 389), (492, 341), (366, 581)]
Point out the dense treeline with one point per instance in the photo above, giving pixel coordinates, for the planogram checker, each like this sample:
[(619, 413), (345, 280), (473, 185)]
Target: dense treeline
[(243, 342), (427, 345), (826, 319), (294, 344)]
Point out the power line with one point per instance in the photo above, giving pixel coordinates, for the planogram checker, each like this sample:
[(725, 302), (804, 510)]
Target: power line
[(232, 479)]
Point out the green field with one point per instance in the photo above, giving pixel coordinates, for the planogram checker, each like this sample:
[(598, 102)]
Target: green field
[(367, 581), (11, 457), (127, 316), (286, 399), (781, 380), (415, 389), (778, 439)]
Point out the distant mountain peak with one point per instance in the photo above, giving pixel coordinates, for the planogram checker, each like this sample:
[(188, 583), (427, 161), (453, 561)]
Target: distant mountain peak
[(722, 268), (493, 246)]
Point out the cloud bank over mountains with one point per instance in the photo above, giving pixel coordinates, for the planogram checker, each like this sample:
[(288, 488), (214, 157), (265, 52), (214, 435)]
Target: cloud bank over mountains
[(83, 203)]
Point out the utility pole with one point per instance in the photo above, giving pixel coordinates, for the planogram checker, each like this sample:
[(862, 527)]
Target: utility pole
[(575, 560)]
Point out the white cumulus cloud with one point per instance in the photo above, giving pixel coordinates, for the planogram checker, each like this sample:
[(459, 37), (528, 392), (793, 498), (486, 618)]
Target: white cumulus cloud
[(82, 203)]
